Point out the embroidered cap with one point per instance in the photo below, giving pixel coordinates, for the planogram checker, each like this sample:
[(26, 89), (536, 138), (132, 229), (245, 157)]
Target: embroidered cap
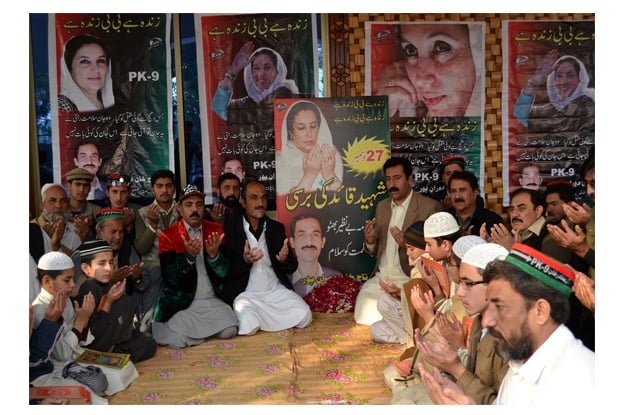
[(116, 179), (55, 261), (464, 243), (459, 160), (480, 255), (542, 267), (78, 174), (109, 213), (414, 235), (94, 247), (440, 224), (190, 190)]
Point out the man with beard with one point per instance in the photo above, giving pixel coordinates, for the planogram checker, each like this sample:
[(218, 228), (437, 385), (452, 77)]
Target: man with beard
[(260, 259), (58, 231), (481, 372), (384, 235), (471, 216), (229, 192), (527, 306), (190, 307), (307, 240), (52, 230), (151, 221)]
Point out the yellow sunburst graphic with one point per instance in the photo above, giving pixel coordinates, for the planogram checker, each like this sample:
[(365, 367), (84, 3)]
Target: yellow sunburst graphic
[(366, 155)]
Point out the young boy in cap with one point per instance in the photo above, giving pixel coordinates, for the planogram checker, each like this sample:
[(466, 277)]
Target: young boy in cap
[(396, 325), (482, 373), (112, 322), (527, 307), (55, 271)]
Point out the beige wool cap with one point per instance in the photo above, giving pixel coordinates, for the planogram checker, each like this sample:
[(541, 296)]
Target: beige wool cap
[(78, 173)]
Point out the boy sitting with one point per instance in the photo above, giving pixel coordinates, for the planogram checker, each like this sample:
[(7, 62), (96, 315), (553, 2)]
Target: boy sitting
[(112, 322)]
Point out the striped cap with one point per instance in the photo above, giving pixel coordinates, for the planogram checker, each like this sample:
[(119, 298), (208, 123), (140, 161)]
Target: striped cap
[(109, 213), (414, 235), (94, 247), (542, 267)]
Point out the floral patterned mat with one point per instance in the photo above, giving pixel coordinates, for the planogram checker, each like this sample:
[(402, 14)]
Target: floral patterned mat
[(332, 361)]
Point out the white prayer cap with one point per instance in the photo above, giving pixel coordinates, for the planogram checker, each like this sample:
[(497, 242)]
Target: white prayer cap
[(440, 224), (464, 243), (55, 261), (480, 255)]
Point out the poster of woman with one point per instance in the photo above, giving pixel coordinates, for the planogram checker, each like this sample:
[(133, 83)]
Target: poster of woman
[(110, 74), (248, 61), (433, 74), (549, 105), (329, 158)]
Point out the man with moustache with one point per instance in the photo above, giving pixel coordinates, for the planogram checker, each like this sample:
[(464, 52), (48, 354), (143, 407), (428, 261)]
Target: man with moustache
[(190, 307), (126, 260), (58, 231), (471, 216), (307, 240), (527, 306), (229, 192), (52, 231), (530, 177), (528, 225), (260, 259), (87, 156), (384, 235)]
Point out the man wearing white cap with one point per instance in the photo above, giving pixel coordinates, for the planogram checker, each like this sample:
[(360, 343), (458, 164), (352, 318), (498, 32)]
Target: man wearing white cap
[(527, 307), (484, 370)]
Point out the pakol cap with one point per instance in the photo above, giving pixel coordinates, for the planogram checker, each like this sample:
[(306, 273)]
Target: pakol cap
[(440, 224), (109, 213), (542, 267), (55, 261), (190, 190), (78, 174)]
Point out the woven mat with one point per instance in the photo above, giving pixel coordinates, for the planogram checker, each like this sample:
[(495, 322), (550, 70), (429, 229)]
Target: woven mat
[(333, 361)]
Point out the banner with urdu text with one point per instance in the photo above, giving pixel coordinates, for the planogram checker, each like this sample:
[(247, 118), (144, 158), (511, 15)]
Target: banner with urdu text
[(110, 83), (433, 74), (245, 62), (548, 102)]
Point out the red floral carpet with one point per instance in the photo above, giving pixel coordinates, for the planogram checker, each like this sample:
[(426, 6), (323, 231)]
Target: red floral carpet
[(333, 361)]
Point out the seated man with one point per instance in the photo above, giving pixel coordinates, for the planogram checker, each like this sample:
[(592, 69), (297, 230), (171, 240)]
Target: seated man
[(257, 284), (484, 370), (190, 308), (527, 307), (471, 215)]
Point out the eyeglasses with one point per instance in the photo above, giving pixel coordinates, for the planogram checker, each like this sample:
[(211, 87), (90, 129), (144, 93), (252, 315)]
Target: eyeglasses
[(466, 284)]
